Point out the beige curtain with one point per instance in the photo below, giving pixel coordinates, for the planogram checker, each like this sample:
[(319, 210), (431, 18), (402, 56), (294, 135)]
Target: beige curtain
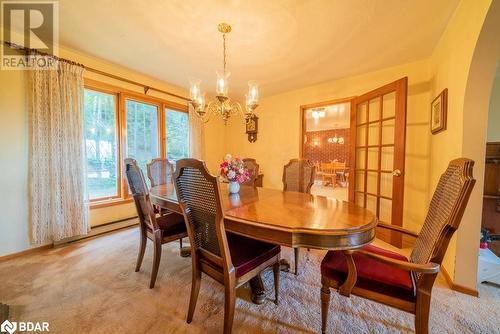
[(196, 136), (59, 206)]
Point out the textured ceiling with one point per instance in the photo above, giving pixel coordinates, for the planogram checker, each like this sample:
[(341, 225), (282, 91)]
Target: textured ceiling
[(283, 45)]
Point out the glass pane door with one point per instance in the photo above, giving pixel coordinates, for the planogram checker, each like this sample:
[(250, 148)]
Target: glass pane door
[(378, 157)]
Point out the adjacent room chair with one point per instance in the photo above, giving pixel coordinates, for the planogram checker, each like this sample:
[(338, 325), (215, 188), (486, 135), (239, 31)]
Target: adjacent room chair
[(228, 258), (160, 230), (390, 278), (253, 169), (298, 175)]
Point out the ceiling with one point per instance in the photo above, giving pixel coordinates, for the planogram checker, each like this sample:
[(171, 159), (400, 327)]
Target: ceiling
[(336, 116), (282, 44)]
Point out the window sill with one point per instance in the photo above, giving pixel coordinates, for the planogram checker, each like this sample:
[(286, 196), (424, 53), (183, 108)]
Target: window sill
[(110, 202)]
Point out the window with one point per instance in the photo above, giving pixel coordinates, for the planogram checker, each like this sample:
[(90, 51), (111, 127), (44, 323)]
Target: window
[(120, 124), (142, 132), (100, 142), (177, 134)]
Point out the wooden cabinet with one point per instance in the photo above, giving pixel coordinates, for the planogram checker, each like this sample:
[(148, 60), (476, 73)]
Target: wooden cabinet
[(491, 200)]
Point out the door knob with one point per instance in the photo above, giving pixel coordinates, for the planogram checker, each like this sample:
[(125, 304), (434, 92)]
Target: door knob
[(396, 172)]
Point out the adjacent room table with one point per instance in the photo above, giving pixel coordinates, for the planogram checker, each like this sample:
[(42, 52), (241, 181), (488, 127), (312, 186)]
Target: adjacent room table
[(289, 219)]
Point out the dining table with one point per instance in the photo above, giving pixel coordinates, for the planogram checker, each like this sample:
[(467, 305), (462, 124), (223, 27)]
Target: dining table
[(290, 219)]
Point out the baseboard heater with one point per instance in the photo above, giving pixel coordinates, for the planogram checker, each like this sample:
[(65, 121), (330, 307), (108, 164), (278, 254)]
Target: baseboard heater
[(101, 229)]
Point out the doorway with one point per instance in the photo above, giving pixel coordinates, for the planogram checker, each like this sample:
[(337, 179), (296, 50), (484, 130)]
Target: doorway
[(325, 141), (358, 147)]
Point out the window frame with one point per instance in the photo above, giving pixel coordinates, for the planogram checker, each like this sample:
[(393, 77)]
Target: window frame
[(121, 96)]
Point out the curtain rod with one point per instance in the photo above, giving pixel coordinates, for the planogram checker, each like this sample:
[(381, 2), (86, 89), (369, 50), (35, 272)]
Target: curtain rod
[(94, 70)]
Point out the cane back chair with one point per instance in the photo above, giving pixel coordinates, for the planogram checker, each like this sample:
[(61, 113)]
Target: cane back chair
[(390, 278), (160, 171), (230, 259), (298, 176), (160, 230), (253, 169)]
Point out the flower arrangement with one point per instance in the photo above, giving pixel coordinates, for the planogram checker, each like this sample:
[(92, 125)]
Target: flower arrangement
[(233, 169)]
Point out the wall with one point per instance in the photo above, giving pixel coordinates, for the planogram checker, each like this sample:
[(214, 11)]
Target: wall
[(14, 139), (324, 151), (494, 110), (279, 130), (450, 68)]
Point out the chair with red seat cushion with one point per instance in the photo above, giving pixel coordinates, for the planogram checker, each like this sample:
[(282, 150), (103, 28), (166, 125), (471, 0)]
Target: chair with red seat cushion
[(160, 230), (392, 279), (372, 275), (230, 259)]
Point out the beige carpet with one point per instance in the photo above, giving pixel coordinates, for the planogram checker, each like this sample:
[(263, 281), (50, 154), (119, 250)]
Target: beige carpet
[(91, 287)]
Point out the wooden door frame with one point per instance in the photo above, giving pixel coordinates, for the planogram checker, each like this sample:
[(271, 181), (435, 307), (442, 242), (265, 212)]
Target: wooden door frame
[(303, 109)]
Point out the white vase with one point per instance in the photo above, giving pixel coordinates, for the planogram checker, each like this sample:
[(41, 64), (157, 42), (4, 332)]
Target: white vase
[(234, 187)]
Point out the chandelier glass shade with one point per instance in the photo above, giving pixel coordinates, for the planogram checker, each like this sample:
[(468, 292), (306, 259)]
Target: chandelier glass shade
[(222, 105)]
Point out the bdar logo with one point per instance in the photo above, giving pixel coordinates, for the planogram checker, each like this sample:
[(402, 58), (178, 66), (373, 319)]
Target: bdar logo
[(8, 327)]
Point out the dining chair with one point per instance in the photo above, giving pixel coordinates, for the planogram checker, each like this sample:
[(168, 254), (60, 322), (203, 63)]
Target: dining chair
[(160, 230), (253, 168), (230, 259), (160, 171), (392, 279), (298, 176)]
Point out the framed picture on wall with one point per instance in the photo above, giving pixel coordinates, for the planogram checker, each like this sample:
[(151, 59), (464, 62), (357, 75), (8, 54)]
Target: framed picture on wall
[(439, 110)]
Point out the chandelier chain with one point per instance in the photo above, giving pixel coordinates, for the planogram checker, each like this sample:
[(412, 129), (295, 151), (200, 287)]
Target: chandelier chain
[(224, 48)]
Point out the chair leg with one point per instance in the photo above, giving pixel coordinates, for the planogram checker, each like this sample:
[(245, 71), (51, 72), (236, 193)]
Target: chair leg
[(195, 289), (229, 304), (422, 310), (325, 305), (156, 260), (296, 252), (276, 271), (180, 243), (142, 249)]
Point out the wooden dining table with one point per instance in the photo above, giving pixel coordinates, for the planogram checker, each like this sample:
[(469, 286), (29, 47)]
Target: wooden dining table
[(289, 219)]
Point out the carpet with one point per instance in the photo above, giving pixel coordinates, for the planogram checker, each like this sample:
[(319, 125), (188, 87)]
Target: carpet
[(91, 287)]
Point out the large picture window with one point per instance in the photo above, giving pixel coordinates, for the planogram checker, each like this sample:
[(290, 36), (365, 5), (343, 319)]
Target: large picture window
[(101, 144), (121, 123), (177, 133), (142, 132)]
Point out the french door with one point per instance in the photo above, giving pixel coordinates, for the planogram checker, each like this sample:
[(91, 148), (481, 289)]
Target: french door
[(378, 126)]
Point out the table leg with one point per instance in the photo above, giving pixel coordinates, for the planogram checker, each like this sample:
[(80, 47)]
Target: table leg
[(284, 265), (346, 287), (258, 291)]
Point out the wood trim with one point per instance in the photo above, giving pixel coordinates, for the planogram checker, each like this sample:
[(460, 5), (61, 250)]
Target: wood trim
[(113, 202), (25, 252), (94, 84), (458, 287), (315, 105)]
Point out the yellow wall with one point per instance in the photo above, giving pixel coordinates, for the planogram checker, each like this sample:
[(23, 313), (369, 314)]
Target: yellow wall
[(450, 64), (279, 130), (14, 139), (494, 111)]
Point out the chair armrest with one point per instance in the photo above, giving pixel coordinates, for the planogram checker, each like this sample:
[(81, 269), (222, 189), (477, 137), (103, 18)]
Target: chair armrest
[(397, 229), (427, 268)]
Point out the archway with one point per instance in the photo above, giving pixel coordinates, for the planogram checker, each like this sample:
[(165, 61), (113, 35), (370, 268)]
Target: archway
[(476, 104)]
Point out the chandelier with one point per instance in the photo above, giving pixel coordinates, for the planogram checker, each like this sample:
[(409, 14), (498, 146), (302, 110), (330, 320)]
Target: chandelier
[(222, 106), (336, 140)]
